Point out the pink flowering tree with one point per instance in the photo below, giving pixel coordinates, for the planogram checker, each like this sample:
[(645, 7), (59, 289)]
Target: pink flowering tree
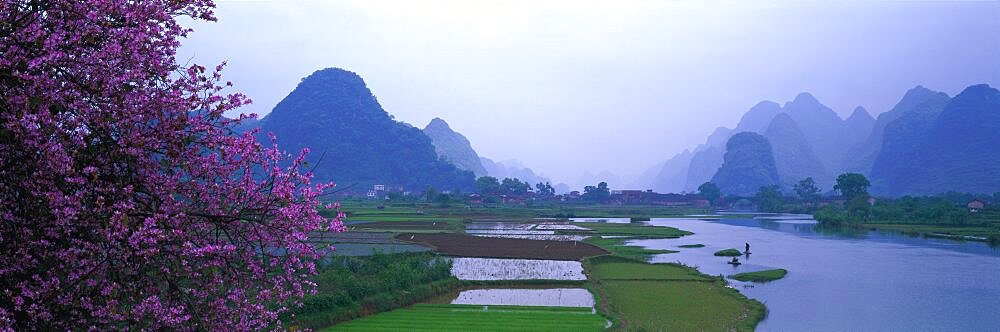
[(127, 201)]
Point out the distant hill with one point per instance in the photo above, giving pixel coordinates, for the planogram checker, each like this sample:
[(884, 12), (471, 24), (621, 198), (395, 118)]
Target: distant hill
[(758, 118), (856, 129), (861, 157), (673, 174), (748, 165), (957, 150), (453, 147), (927, 143), (353, 140), (613, 180), (511, 168), (793, 157), (706, 159), (822, 128), (645, 179)]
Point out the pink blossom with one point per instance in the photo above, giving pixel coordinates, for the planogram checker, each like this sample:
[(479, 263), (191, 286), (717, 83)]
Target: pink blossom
[(127, 200)]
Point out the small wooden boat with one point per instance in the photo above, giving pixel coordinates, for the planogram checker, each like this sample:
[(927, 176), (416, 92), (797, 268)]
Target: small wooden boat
[(733, 263)]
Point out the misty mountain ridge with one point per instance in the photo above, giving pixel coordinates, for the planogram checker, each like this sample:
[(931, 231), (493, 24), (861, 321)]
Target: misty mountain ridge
[(454, 147), (512, 168), (793, 157), (819, 125), (672, 174), (927, 143), (354, 140), (748, 165), (955, 149), (862, 155), (808, 139)]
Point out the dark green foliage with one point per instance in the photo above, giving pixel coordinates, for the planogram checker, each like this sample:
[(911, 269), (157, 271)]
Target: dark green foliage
[(769, 199), (353, 140), (958, 150), (852, 185), (487, 185), (807, 190), (601, 193), (761, 276), (514, 186), (544, 189), (710, 191), (859, 208), (728, 252), (906, 210), (350, 287), (749, 165)]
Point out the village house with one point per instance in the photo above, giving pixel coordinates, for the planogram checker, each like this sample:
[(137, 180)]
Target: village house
[(976, 206), (475, 200), (649, 197)]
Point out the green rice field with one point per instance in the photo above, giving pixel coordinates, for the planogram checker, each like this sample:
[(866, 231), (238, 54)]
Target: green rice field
[(452, 317)]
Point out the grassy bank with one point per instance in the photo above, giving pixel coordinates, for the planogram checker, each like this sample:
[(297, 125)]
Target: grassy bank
[(642, 296), (618, 247), (761, 276), (921, 216), (618, 234), (351, 287), (728, 252)]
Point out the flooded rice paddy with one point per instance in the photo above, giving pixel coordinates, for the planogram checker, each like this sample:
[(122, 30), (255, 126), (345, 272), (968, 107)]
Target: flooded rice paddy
[(469, 268), (554, 297)]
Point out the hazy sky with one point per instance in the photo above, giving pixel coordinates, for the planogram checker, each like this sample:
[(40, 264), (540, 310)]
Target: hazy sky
[(574, 86)]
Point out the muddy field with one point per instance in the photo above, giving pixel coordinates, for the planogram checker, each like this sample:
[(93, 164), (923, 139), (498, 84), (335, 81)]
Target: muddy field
[(430, 225), (474, 246)]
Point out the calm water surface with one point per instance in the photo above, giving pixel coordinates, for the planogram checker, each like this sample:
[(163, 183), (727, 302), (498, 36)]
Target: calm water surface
[(855, 281)]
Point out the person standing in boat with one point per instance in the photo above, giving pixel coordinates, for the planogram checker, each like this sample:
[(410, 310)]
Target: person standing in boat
[(748, 248)]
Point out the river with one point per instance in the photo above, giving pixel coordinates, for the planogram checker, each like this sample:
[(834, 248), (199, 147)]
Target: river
[(848, 281)]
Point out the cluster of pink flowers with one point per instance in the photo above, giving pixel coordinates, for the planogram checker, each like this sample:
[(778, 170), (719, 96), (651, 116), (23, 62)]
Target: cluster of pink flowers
[(127, 201)]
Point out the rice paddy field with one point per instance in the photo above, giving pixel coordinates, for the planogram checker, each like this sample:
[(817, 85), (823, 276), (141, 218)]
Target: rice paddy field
[(525, 269), (669, 297), (452, 317)]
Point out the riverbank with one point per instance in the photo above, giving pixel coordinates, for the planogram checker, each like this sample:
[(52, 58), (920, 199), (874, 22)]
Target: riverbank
[(640, 296), (980, 233)]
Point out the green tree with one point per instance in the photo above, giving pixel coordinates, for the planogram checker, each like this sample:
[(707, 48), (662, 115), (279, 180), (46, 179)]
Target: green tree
[(444, 200), (807, 190), (430, 194), (487, 185), (852, 185), (600, 193), (514, 186), (545, 189), (858, 208), (769, 199), (710, 191)]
